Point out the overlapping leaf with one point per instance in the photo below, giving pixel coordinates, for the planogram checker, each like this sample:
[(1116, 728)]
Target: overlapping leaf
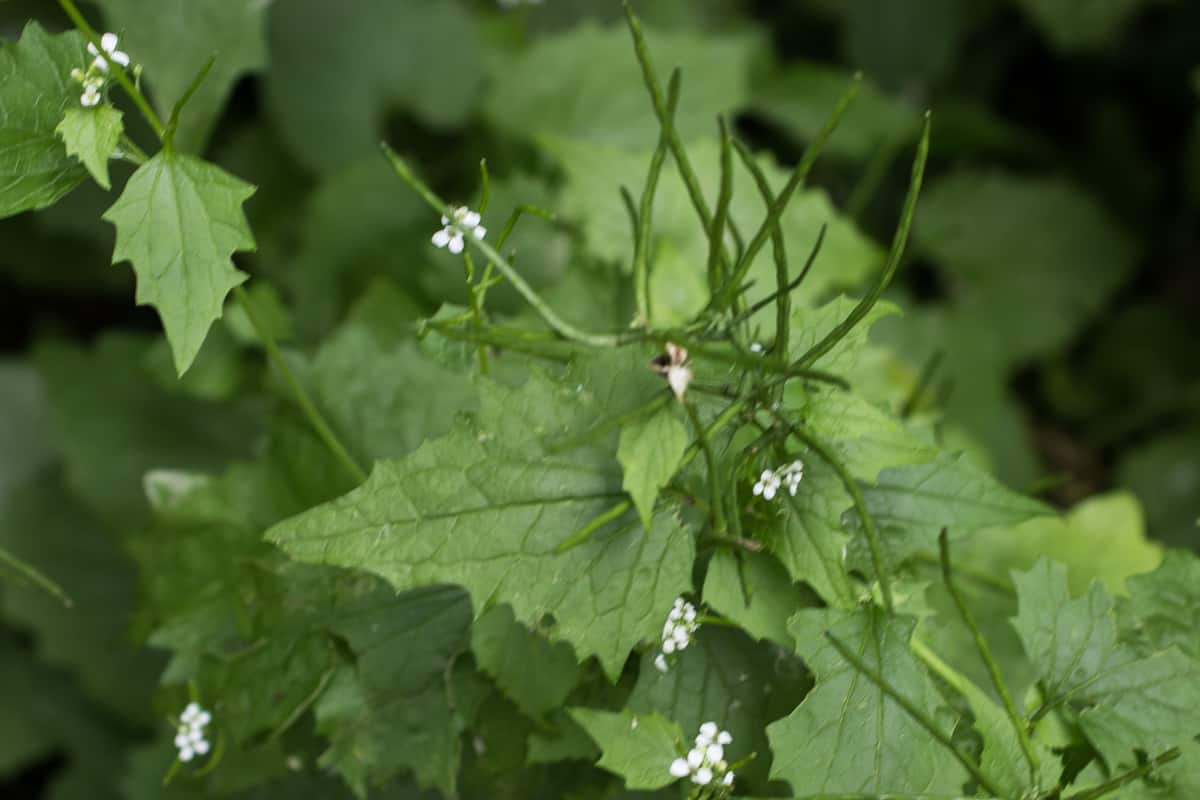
[(35, 90), (487, 507)]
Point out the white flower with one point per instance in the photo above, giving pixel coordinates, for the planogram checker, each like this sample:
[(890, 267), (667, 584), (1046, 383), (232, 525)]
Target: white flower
[(461, 221), (90, 97), (755, 347), (770, 481), (677, 632), (109, 42), (705, 763), (190, 740)]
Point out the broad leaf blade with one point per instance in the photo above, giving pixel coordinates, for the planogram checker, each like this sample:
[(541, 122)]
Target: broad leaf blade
[(35, 90), (848, 736), (91, 135), (650, 451), (486, 507), (638, 747), (179, 221)]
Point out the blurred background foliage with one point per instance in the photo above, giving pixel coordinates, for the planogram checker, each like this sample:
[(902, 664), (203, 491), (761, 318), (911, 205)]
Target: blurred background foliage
[(1051, 295)]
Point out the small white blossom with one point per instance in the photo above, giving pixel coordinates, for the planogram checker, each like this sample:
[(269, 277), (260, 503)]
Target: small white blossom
[(756, 348), (190, 740), (682, 623), (462, 221), (705, 763), (772, 479), (90, 97), (109, 43)]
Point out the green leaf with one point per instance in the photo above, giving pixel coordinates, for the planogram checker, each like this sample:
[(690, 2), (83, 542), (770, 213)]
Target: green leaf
[(911, 504), (25, 440), (726, 678), (91, 134), (1165, 474), (1074, 25), (400, 709), (536, 674), (113, 424), (1163, 607), (811, 325), (35, 90), (755, 591), (650, 451), (801, 96), (176, 41), (1129, 702), (807, 535), (41, 523), (552, 90), (847, 723), (375, 55), (384, 401), (179, 221), (638, 747), (1002, 758), (486, 507)]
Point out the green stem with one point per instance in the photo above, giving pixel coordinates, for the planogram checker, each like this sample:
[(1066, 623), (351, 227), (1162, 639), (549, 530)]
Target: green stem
[(783, 289), (495, 337), (789, 288), (117, 71), (716, 233), (611, 423), (826, 455), (893, 262), (710, 461), (548, 315), (641, 249), (474, 297), (34, 576), (602, 519), (928, 371), (799, 174), (917, 714), (173, 122), (136, 154), (985, 652), (309, 410), (1126, 777), (682, 162)]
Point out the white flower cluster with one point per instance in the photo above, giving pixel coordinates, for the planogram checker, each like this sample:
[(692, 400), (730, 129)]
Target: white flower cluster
[(461, 221), (705, 763), (677, 633), (97, 72), (189, 738), (788, 475)]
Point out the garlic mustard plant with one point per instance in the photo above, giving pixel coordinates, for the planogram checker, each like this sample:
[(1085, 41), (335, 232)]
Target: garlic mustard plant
[(705, 763), (681, 625), (771, 480), (190, 739)]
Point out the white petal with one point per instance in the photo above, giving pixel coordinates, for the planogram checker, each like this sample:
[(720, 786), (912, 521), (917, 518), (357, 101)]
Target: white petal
[(724, 737), (203, 718), (695, 757), (470, 219), (445, 220), (442, 238), (683, 645), (769, 492), (728, 779), (690, 615), (679, 603), (91, 48), (680, 768), (121, 58), (680, 635), (703, 776), (89, 98), (668, 646), (679, 378), (100, 64), (480, 231), (758, 489), (456, 244), (675, 615), (709, 730), (109, 42), (715, 752), (181, 741), (660, 663), (201, 746), (767, 476), (186, 753)]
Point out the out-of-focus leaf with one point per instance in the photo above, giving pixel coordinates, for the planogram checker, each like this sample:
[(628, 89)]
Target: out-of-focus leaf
[(1165, 475), (1073, 25), (902, 45), (336, 70), (553, 89), (534, 673)]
